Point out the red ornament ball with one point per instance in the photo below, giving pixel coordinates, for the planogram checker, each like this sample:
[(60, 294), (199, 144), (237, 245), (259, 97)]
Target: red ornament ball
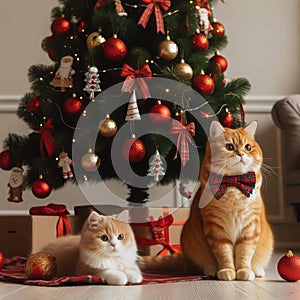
[(81, 26), (133, 150), (218, 29), (41, 266), (2, 260), (73, 107), (218, 64), (203, 84), (200, 41), (114, 49), (60, 26), (228, 119), (159, 113), (6, 160), (288, 267), (41, 188), (34, 105), (45, 43)]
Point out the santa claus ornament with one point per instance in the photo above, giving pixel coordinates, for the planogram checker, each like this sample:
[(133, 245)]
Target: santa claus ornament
[(65, 163), (63, 76), (15, 185)]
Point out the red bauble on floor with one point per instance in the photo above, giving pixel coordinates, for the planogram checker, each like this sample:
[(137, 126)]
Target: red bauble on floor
[(288, 267)]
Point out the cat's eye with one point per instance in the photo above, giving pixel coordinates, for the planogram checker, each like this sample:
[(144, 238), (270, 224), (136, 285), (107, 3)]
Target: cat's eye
[(229, 147), (121, 236), (104, 238), (248, 147)]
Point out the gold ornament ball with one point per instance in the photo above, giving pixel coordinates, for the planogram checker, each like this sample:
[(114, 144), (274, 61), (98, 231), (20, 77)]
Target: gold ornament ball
[(94, 40), (41, 265), (90, 162), (108, 127), (183, 70), (167, 49)]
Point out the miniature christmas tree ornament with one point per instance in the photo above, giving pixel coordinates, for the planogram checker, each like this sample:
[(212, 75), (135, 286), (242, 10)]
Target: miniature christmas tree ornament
[(156, 168), (133, 113), (92, 82)]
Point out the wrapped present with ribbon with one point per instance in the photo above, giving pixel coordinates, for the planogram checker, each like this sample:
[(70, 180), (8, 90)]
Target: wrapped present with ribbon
[(184, 138), (160, 235), (155, 6), (63, 225), (136, 76)]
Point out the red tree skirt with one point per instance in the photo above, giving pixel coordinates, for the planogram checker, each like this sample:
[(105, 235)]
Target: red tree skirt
[(13, 271)]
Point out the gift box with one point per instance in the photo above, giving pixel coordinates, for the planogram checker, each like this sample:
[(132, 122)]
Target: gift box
[(23, 235), (160, 234), (157, 230)]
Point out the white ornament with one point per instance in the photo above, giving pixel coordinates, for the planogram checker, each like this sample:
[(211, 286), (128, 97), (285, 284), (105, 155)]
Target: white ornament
[(156, 169), (92, 82), (15, 185), (133, 113), (204, 21)]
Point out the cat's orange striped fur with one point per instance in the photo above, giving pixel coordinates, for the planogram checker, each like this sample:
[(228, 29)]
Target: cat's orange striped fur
[(229, 238)]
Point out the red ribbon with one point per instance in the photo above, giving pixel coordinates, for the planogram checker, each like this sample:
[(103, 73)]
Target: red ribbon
[(184, 137), (136, 75), (63, 226), (155, 5), (47, 139)]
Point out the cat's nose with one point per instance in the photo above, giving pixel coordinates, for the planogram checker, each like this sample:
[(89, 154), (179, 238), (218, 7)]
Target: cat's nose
[(240, 154)]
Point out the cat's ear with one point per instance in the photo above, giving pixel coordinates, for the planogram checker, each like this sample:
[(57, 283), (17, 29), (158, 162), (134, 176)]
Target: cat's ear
[(123, 216), (251, 128), (94, 219), (216, 129)]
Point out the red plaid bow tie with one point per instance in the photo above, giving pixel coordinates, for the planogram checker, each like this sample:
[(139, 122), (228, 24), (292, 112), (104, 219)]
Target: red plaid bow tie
[(219, 183)]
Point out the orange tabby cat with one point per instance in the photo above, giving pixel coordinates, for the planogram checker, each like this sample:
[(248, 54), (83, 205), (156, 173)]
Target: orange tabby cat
[(106, 248), (227, 234)]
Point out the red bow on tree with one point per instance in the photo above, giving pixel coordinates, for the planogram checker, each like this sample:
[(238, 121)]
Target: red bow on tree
[(47, 139), (136, 75), (63, 226), (155, 5), (219, 183), (184, 137)]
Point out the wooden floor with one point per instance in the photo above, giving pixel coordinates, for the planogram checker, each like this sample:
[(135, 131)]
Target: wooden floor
[(271, 287)]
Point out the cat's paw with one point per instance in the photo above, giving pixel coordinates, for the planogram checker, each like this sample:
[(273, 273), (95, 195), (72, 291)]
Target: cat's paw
[(245, 274), (226, 274), (116, 279), (212, 272), (134, 276), (260, 272)]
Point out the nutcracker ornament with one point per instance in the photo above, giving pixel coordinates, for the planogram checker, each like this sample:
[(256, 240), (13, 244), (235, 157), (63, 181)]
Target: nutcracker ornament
[(65, 163), (15, 185), (63, 77), (92, 82)]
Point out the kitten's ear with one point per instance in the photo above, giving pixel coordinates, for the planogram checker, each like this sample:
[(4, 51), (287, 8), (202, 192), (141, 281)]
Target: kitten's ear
[(94, 219), (251, 128), (123, 216), (216, 129)]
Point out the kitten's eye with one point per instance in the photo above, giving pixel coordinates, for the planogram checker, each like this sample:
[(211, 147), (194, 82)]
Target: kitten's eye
[(248, 147), (104, 238), (229, 147), (121, 236)]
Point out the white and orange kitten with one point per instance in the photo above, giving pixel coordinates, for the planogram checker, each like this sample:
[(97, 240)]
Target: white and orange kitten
[(106, 247)]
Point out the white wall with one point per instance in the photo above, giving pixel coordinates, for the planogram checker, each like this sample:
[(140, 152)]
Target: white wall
[(264, 44)]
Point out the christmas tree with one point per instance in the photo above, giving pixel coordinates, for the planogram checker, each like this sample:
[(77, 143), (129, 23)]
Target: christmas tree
[(129, 79)]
